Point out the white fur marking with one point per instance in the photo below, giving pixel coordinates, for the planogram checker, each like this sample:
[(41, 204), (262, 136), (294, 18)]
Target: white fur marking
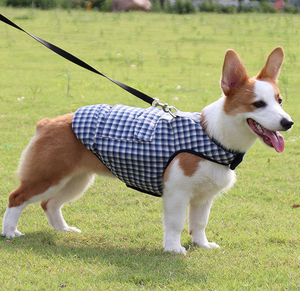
[(12, 214), (10, 221), (56, 220), (71, 191), (271, 115), (50, 192), (198, 190)]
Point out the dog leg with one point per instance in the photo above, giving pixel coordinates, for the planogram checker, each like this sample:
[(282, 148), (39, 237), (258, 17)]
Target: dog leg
[(198, 218), (71, 191), (174, 216), (10, 221), (18, 199), (53, 156)]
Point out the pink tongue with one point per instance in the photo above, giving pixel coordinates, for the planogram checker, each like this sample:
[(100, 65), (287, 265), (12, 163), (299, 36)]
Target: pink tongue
[(276, 138)]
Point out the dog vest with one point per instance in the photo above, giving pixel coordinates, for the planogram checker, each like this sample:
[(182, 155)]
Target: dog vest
[(137, 144)]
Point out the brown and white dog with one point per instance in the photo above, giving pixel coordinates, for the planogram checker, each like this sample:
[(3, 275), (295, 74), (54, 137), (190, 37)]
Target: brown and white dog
[(56, 167)]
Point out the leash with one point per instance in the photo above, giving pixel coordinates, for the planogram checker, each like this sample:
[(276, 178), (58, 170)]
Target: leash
[(152, 101)]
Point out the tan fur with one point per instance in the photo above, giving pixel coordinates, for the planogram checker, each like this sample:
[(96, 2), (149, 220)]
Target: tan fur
[(271, 69), (240, 94), (40, 169), (234, 73), (167, 171), (242, 101), (203, 121), (188, 163)]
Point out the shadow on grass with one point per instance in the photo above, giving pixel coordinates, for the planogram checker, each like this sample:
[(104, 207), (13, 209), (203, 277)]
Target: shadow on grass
[(115, 265)]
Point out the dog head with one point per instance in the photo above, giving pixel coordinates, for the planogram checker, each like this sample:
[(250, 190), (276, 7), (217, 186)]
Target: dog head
[(256, 102)]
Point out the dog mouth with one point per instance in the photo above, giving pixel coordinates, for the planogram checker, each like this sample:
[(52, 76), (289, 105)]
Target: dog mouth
[(271, 138)]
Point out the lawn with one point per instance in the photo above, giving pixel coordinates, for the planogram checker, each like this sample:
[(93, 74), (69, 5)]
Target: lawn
[(177, 58)]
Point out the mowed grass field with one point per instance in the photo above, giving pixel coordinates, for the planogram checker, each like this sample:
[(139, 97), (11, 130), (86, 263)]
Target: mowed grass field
[(177, 58)]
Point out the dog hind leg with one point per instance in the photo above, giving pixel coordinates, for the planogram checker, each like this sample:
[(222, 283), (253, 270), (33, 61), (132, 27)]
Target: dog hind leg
[(10, 221), (71, 191), (25, 194), (51, 160)]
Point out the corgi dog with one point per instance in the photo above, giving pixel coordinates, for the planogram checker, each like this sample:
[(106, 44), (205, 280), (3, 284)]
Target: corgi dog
[(56, 167)]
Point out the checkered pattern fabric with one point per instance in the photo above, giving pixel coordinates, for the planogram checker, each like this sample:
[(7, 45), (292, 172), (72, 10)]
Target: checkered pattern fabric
[(137, 144)]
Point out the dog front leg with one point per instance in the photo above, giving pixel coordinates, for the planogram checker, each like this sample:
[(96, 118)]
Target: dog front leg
[(198, 218), (174, 216)]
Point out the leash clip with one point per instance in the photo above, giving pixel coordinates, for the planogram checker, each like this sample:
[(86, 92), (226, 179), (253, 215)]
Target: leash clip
[(165, 107)]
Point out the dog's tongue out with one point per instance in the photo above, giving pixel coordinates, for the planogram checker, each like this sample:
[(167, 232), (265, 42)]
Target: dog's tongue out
[(271, 138), (276, 139)]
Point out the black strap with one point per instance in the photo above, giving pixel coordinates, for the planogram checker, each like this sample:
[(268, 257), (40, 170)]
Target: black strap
[(79, 62)]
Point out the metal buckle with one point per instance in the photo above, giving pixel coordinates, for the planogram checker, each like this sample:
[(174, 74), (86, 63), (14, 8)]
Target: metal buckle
[(166, 108)]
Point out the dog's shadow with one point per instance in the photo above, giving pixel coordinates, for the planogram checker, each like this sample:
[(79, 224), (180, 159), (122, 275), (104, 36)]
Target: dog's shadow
[(137, 266)]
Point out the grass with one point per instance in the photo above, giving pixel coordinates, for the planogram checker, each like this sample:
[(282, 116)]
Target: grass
[(178, 59)]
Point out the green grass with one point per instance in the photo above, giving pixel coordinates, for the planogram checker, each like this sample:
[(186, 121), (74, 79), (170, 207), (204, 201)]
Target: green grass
[(178, 59)]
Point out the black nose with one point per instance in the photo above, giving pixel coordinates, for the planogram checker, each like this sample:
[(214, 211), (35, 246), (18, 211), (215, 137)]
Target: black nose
[(286, 124)]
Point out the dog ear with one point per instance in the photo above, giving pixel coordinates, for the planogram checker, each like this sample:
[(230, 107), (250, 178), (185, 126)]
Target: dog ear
[(272, 67), (234, 73)]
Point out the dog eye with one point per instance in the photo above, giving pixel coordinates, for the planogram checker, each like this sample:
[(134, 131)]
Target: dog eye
[(280, 101), (259, 104)]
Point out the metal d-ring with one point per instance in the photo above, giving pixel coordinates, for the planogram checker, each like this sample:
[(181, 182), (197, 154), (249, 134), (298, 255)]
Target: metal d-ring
[(166, 108)]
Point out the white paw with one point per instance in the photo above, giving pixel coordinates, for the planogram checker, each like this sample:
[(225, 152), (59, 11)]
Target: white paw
[(12, 234), (208, 245), (177, 250), (71, 229)]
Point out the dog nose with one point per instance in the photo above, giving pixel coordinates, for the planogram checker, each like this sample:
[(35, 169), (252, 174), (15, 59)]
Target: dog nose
[(286, 124)]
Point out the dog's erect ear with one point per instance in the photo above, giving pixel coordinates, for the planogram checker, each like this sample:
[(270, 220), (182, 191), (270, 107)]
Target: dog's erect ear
[(272, 67), (234, 73)]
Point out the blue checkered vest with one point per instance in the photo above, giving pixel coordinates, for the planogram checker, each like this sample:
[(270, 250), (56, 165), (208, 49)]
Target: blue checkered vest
[(138, 144)]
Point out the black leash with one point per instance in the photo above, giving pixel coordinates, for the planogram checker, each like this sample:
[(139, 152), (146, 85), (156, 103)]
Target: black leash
[(75, 60)]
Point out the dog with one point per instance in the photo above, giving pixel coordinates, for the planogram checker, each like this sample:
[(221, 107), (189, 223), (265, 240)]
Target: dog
[(58, 166)]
